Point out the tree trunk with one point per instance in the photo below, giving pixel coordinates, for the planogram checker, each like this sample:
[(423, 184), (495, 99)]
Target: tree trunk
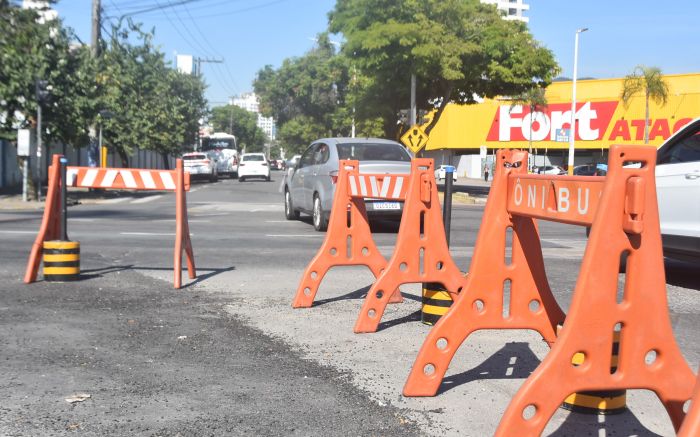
[(124, 158), (166, 161), (445, 100), (646, 119)]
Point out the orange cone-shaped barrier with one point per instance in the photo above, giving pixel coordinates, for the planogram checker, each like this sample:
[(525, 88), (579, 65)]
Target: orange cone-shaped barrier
[(691, 424), (182, 229), (348, 239), (626, 220), (421, 253), (497, 294)]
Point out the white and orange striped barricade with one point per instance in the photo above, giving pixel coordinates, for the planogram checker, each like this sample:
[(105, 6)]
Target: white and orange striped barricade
[(691, 423), (116, 178), (348, 240), (421, 254)]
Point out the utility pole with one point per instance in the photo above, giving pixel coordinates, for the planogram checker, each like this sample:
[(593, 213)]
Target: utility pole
[(198, 64), (96, 22), (412, 111)]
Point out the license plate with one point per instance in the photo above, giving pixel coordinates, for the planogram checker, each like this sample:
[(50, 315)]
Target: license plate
[(386, 205)]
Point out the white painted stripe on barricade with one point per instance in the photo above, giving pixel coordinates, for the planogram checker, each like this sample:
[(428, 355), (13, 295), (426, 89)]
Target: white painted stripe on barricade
[(373, 184), (89, 178), (353, 186), (385, 186), (147, 179), (128, 177), (363, 186), (71, 177), (167, 180), (109, 178), (397, 187)]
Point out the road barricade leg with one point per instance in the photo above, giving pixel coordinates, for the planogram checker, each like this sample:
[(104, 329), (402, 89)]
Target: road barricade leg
[(348, 240), (497, 294), (421, 253), (182, 231), (626, 221), (50, 223), (691, 423)]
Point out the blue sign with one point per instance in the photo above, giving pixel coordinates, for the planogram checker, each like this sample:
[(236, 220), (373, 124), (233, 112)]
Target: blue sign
[(561, 135)]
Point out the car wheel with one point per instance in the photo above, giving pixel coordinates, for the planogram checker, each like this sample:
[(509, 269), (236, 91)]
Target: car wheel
[(241, 179), (319, 219), (289, 212)]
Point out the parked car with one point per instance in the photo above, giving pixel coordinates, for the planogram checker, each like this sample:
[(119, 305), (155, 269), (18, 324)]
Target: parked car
[(440, 174), (550, 169), (591, 170), (253, 165), (199, 165), (273, 164), (309, 187), (678, 193)]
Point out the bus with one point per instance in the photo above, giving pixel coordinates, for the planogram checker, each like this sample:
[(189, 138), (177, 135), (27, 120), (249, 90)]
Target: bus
[(223, 149)]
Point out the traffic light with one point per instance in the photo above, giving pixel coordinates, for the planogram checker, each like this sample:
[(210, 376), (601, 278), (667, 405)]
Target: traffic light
[(42, 91)]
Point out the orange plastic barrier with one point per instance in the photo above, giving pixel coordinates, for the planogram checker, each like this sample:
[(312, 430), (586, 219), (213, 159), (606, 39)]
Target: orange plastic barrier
[(116, 178), (626, 221), (691, 424), (481, 303), (348, 239), (421, 253)]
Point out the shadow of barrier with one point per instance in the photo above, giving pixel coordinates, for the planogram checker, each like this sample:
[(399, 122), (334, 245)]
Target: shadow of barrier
[(621, 209), (421, 253), (691, 424), (116, 178)]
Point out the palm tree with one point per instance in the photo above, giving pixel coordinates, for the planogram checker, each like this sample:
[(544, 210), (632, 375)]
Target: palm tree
[(649, 80), (535, 99)]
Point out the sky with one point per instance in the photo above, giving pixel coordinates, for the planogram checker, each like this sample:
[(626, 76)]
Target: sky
[(249, 34)]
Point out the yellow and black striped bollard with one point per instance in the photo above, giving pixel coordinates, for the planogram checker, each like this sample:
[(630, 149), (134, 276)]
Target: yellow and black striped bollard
[(436, 303), (61, 261), (598, 402)]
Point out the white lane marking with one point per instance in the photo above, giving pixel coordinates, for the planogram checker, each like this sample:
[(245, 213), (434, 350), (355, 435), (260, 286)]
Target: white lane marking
[(279, 221), (18, 232), (189, 221), (149, 234), (80, 219), (116, 200), (194, 190), (147, 199), (294, 235)]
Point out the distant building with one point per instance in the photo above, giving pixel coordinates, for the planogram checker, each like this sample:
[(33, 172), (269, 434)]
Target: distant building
[(249, 102), (46, 13), (513, 8)]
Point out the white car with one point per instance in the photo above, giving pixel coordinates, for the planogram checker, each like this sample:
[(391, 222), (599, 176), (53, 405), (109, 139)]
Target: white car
[(441, 172), (199, 165), (678, 193), (253, 165), (550, 169)]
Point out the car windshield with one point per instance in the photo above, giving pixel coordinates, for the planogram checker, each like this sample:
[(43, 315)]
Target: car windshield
[(253, 158), (373, 152)]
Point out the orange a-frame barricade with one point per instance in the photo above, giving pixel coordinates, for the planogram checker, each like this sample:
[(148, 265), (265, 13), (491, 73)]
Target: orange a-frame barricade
[(481, 303), (116, 178), (421, 253), (348, 239), (691, 424), (622, 212)]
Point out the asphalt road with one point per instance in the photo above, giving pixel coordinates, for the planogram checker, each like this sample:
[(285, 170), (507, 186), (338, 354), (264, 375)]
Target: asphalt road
[(228, 354)]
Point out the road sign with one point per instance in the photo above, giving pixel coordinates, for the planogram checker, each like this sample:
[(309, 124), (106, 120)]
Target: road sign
[(562, 135), (415, 138), (23, 142)]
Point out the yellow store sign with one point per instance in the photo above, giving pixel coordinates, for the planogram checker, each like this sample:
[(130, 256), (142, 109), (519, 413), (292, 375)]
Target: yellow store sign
[(601, 118)]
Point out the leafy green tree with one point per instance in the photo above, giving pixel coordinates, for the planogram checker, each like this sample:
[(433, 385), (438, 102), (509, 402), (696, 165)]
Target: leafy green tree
[(647, 80), (459, 50), (241, 123)]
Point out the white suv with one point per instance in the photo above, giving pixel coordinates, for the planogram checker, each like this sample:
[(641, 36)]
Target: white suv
[(253, 165), (678, 193)]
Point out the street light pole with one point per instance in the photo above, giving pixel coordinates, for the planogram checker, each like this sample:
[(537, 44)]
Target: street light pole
[(572, 133)]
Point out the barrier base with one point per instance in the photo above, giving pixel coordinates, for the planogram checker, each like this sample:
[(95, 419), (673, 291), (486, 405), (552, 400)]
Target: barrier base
[(61, 261)]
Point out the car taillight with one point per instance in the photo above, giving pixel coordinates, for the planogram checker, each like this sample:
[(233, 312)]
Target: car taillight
[(334, 176)]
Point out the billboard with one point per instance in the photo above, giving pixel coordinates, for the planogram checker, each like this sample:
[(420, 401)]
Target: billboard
[(601, 118)]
